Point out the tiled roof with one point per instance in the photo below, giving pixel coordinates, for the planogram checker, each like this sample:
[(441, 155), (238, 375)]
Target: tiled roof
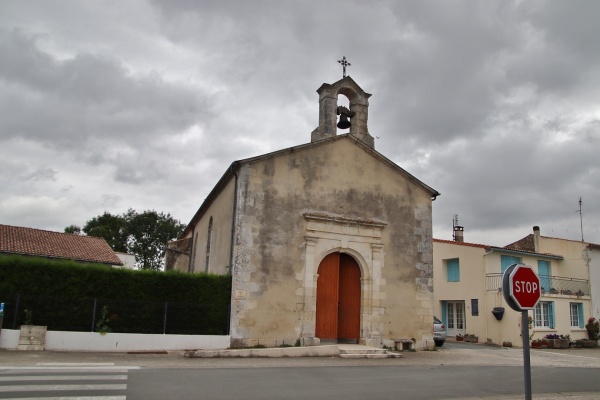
[(37, 242), (483, 246), (525, 244), (496, 248)]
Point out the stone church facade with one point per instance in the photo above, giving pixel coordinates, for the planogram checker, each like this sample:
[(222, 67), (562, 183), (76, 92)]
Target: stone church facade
[(325, 242)]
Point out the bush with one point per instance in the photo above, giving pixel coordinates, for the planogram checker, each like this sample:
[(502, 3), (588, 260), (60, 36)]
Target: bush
[(65, 295)]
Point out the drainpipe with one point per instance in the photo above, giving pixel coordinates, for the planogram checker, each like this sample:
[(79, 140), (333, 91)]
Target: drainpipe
[(233, 219)]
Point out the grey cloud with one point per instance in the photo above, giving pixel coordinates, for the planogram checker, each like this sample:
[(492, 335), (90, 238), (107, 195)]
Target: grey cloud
[(494, 104), (65, 103), (42, 174)]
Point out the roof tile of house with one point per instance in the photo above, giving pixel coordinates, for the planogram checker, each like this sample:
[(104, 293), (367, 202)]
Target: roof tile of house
[(37, 242), (525, 244), (515, 247), (483, 246)]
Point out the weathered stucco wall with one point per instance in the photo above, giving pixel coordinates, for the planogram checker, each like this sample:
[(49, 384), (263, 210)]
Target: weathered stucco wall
[(221, 212), (272, 293), (178, 255), (574, 252)]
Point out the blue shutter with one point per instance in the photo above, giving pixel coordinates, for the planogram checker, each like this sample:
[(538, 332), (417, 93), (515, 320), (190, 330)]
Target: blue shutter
[(544, 274), (507, 261), (453, 270), (551, 314), (580, 312)]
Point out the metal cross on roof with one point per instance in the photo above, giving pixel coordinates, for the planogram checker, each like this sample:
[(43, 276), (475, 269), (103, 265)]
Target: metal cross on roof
[(345, 64)]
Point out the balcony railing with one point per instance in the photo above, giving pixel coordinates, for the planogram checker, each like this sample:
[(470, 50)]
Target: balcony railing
[(550, 285)]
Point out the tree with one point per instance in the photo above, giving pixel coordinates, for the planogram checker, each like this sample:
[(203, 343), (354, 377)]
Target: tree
[(144, 235), (147, 236), (111, 227), (73, 229)]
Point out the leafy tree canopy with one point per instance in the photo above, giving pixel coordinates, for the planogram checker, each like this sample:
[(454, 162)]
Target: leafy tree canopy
[(144, 235), (111, 227), (73, 229), (148, 234)]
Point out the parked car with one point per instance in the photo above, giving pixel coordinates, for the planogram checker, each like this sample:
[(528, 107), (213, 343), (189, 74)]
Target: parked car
[(439, 332)]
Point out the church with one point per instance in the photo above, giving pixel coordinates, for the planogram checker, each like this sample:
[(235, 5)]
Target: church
[(325, 242)]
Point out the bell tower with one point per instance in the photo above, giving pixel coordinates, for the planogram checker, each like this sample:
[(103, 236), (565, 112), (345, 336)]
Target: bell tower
[(357, 115)]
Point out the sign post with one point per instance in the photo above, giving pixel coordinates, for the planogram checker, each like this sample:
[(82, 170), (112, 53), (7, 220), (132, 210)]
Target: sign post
[(521, 290)]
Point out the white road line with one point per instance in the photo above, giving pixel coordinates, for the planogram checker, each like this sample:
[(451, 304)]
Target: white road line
[(60, 377), (70, 398), (120, 368), (36, 388), (568, 355)]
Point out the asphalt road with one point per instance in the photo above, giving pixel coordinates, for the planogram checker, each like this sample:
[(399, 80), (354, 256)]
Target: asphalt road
[(456, 371), (354, 383)]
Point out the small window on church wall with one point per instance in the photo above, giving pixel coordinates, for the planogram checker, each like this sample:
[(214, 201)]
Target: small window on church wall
[(208, 236)]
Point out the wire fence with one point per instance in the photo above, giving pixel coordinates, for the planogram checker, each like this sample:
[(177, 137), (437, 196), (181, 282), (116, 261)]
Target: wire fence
[(115, 315)]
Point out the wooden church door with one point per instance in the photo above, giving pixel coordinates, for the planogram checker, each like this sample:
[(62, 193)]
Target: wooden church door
[(338, 299)]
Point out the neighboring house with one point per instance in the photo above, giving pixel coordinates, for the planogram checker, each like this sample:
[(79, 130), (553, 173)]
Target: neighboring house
[(36, 242), (468, 281), (593, 257), (127, 259), (326, 242)]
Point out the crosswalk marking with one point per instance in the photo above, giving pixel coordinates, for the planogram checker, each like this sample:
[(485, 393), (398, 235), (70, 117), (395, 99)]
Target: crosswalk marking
[(70, 398), (61, 378), (37, 388), (64, 382)]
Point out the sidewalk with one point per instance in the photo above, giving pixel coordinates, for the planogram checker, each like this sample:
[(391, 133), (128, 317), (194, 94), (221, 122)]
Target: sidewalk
[(449, 355)]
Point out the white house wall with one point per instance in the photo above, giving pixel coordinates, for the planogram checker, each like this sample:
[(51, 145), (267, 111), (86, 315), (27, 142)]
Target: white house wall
[(476, 263), (593, 255), (471, 284)]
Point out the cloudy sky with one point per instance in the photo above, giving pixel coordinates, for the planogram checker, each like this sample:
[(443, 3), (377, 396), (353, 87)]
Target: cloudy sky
[(110, 105)]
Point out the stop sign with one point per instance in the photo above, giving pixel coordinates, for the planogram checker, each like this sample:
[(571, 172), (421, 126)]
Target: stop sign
[(521, 287)]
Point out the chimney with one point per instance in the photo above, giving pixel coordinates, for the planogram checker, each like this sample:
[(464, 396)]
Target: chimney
[(458, 233), (536, 239)]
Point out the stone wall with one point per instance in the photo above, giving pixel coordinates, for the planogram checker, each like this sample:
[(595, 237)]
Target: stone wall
[(295, 208)]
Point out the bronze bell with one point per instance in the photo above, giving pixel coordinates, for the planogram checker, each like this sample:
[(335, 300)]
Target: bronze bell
[(344, 121)]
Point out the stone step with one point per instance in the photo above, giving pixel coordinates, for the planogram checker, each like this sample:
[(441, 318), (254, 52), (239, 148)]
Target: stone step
[(363, 351), (368, 353)]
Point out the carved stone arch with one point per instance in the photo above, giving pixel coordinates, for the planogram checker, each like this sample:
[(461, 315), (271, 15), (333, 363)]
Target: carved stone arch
[(361, 239), (365, 272)]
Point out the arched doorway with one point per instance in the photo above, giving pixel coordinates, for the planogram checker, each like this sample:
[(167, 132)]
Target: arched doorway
[(338, 299)]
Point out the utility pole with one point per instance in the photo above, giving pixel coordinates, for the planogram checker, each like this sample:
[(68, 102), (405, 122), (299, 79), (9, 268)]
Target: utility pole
[(580, 218)]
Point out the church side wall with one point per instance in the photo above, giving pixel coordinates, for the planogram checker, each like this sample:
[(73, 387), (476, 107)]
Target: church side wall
[(221, 211), (337, 178)]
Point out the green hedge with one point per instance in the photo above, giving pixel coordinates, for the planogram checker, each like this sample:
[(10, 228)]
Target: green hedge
[(65, 295)]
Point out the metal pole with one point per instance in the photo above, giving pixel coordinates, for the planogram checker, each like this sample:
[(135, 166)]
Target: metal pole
[(94, 314), (16, 311), (165, 319), (526, 363)]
